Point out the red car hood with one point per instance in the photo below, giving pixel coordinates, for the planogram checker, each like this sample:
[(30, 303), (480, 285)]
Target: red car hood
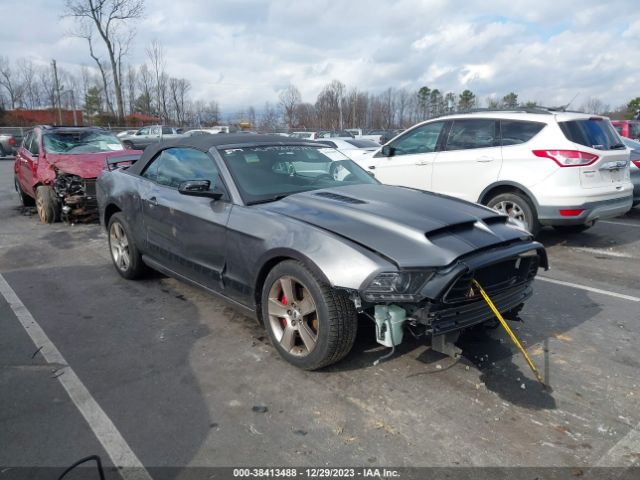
[(85, 165)]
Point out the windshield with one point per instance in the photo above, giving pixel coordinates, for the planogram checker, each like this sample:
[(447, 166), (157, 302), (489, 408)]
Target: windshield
[(77, 142), (268, 173)]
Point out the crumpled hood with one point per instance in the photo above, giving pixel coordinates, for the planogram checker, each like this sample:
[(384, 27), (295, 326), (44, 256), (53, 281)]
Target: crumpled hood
[(410, 227), (85, 165)]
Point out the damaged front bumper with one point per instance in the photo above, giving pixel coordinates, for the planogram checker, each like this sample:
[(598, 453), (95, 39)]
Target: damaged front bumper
[(448, 301), (77, 196)]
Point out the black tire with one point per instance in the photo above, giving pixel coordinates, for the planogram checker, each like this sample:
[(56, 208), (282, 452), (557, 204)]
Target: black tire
[(2, 151), (47, 204), (507, 202), (572, 228), (129, 264), (128, 145), (334, 320), (24, 199)]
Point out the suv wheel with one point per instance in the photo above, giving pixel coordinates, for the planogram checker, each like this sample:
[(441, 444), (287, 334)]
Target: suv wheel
[(47, 204), (517, 206), (311, 324)]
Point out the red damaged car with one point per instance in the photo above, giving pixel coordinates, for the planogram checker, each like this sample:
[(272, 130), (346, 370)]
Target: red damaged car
[(56, 169)]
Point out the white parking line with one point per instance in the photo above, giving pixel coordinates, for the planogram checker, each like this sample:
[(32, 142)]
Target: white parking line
[(637, 225), (106, 432), (601, 251), (589, 289), (624, 452)]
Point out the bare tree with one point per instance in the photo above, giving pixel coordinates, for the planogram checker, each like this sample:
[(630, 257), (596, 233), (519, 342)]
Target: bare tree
[(289, 99), (10, 82), (111, 19), (595, 105), (132, 84), (155, 52), (179, 88)]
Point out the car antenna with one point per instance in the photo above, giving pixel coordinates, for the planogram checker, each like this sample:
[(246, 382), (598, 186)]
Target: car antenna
[(570, 102)]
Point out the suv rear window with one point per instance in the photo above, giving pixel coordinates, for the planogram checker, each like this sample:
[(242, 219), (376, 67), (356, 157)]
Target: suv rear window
[(592, 132), (515, 131), (634, 130)]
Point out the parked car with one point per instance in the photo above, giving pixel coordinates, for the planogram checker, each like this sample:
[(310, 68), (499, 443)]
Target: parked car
[(627, 128), (209, 131), (353, 148), (149, 135), (124, 133), (7, 145), (545, 168), (634, 145), (304, 135), (56, 168), (360, 134), (264, 223)]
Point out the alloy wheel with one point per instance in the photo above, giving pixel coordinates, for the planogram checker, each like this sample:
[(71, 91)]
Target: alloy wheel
[(293, 316), (513, 210), (119, 247)]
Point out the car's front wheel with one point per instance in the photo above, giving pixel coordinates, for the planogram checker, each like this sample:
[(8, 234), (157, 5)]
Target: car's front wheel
[(47, 204), (124, 252), (128, 145), (311, 324), (517, 207)]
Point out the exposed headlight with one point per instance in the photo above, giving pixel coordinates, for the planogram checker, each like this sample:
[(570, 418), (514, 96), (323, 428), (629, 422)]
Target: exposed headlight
[(396, 286)]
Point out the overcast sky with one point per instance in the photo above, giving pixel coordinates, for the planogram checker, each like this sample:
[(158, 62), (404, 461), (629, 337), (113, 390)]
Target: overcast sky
[(242, 52)]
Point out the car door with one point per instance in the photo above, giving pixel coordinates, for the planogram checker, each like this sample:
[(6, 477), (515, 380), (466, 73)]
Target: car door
[(141, 138), (187, 234), (409, 159), (28, 161), (470, 160)]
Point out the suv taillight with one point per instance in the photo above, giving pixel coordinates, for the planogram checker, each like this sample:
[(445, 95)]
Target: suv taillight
[(636, 163), (568, 158), (12, 141)]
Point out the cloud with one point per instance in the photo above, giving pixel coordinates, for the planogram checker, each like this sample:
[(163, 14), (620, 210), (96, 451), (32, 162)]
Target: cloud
[(243, 52)]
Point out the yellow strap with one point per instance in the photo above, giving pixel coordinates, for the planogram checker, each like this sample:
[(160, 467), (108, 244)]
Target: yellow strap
[(511, 334)]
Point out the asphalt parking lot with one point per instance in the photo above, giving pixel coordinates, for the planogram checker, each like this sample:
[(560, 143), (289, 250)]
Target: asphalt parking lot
[(187, 381)]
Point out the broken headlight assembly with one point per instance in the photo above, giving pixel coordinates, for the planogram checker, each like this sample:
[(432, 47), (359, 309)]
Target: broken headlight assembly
[(401, 286), (67, 184)]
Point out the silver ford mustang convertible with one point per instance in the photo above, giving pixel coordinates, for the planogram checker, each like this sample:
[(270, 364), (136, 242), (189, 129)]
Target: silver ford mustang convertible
[(299, 236)]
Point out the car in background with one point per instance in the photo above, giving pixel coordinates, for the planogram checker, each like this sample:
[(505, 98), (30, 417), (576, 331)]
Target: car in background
[(389, 134), (541, 167), (634, 145), (359, 133), (304, 135), (353, 148), (207, 131), (146, 136), (627, 128), (124, 133), (7, 145), (56, 169), (265, 223)]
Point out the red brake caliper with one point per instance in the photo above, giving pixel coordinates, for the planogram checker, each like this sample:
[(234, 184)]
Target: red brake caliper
[(283, 301)]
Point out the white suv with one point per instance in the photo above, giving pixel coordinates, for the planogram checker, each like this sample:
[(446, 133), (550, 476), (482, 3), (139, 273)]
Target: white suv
[(539, 166)]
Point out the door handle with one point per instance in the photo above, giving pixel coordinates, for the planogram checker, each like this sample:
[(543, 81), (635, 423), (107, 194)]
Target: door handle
[(484, 159), (422, 162), (371, 167), (153, 201)]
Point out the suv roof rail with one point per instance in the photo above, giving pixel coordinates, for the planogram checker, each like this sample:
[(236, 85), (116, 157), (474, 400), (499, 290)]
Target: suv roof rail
[(541, 110)]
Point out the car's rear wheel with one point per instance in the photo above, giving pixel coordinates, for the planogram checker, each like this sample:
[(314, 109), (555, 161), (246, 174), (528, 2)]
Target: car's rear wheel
[(128, 145), (24, 199), (518, 207), (47, 204), (311, 324), (125, 255)]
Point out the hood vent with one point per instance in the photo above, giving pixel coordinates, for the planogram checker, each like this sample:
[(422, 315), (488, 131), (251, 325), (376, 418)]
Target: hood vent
[(340, 198)]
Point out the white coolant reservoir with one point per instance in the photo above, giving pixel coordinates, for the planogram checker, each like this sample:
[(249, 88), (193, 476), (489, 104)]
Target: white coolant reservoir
[(389, 317)]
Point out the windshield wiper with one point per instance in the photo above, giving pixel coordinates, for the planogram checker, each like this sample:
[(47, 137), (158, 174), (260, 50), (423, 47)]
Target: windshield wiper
[(617, 146), (270, 199)]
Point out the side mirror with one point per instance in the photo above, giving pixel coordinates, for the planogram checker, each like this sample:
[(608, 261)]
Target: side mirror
[(387, 151), (370, 173), (200, 188)]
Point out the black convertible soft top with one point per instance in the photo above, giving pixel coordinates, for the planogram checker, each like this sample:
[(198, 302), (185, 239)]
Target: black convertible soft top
[(206, 142)]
